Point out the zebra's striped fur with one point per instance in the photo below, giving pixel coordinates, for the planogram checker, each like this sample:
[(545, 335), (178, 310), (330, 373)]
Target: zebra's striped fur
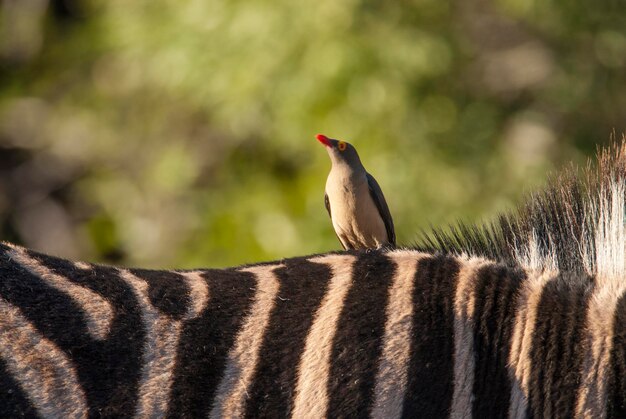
[(380, 333)]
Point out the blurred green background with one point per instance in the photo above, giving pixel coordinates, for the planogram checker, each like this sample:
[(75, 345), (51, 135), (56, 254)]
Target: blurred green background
[(170, 133)]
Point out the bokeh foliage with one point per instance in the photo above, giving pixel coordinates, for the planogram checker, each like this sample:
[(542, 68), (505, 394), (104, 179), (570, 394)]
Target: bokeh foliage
[(181, 134)]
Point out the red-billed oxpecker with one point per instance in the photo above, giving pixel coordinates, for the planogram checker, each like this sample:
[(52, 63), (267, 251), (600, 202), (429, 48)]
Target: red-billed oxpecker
[(354, 201)]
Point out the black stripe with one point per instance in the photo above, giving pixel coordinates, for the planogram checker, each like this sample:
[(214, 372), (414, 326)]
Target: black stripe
[(617, 381), (167, 291), (431, 369), (556, 352), (358, 340), (13, 401), (206, 340), (50, 311), (109, 370), (302, 287), (494, 316)]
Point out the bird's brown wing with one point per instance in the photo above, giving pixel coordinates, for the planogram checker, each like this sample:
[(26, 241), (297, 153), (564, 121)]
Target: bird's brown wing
[(327, 205), (383, 209)]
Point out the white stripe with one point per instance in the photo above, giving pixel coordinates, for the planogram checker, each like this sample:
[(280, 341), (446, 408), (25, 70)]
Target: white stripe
[(610, 269), (311, 399), (598, 342), (392, 373), (161, 344), (242, 359), (83, 266), (198, 293), (464, 356), (98, 311), (42, 370), (519, 358)]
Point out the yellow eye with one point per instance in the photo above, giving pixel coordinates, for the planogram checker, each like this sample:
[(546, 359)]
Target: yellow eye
[(341, 146)]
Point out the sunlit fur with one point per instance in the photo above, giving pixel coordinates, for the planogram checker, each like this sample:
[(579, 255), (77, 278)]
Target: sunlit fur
[(575, 224)]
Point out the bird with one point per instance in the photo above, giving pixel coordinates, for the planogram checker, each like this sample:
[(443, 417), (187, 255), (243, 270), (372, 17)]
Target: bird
[(354, 200)]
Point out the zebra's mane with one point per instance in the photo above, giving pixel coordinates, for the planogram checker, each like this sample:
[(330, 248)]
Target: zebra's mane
[(575, 224)]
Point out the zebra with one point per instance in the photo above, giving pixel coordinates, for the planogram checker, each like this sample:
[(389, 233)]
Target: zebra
[(522, 317)]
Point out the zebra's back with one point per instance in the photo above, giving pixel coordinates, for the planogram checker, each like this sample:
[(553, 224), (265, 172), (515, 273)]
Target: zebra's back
[(381, 334)]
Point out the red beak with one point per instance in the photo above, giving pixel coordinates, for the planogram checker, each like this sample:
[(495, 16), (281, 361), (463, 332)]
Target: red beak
[(324, 140)]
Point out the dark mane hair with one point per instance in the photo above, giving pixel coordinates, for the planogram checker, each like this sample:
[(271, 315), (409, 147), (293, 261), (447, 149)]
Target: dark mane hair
[(578, 215)]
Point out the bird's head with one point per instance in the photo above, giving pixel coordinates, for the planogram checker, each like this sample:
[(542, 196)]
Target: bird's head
[(341, 152)]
